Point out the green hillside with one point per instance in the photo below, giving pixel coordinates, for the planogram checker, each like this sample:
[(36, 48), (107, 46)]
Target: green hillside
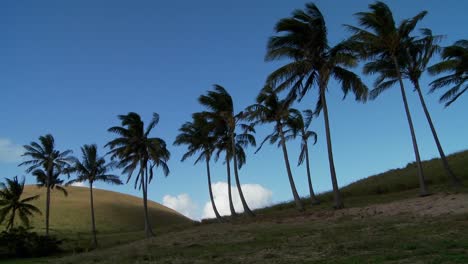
[(115, 212)]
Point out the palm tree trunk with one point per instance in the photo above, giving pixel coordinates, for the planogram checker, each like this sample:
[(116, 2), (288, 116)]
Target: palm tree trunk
[(148, 229), (93, 223), (11, 223), (236, 175), (210, 190), (336, 191), (313, 199), (47, 209), (422, 181), (297, 199), (228, 167), (454, 179)]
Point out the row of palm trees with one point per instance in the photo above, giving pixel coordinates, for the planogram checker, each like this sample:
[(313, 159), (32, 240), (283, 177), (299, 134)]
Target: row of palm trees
[(132, 150), (388, 50), (219, 131)]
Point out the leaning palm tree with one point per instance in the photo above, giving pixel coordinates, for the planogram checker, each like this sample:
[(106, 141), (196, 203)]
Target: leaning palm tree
[(48, 164), (303, 39), (455, 64), (413, 62), (135, 150), (269, 109), (221, 111), (199, 137), (92, 168), (381, 40), (299, 125), (11, 203)]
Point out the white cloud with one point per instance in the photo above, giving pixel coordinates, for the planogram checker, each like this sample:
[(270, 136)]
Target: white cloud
[(10, 152), (183, 204), (255, 195), (79, 184)]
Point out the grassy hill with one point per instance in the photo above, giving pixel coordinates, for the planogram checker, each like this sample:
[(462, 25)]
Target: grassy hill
[(384, 222), (114, 212)]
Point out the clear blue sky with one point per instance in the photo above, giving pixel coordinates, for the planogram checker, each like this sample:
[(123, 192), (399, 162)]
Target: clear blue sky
[(70, 67)]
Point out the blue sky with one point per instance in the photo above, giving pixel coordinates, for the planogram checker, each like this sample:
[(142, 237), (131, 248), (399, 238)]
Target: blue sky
[(70, 67)]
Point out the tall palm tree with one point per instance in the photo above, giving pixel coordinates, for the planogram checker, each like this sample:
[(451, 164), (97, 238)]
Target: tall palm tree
[(199, 137), (269, 109), (11, 203), (92, 168), (47, 164), (134, 150), (413, 62), (299, 125), (380, 39), (302, 38), (221, 111), (455, 64)]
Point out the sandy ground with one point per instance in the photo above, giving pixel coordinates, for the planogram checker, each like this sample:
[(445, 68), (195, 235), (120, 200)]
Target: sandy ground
[(433, 205)]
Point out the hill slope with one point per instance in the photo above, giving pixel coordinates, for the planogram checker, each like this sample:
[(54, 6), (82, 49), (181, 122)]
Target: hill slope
[(115, 212)]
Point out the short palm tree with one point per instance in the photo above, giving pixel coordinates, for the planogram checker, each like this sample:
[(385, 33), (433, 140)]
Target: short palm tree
[(199, 137), (11, 203), (413, 62), (299, 125), (221, 111), (92, 168), (380, 39), (269, 109), (135, 150), (303, 39), (47, 164), (455, 64)]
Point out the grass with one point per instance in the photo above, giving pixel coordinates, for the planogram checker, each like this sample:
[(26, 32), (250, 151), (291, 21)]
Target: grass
[(280, 234)]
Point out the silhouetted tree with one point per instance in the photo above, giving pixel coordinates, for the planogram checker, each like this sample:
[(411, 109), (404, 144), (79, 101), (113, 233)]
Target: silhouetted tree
[(47, 164), (92, 168), (134, 150), (380, 39), (303, 39), (455, 64), (11, 203)]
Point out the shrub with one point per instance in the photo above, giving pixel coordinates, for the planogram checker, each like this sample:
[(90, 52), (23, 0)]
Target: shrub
[(22, 243)]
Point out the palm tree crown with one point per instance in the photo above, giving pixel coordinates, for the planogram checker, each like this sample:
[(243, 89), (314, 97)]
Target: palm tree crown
[(12, 204), (455, 63)]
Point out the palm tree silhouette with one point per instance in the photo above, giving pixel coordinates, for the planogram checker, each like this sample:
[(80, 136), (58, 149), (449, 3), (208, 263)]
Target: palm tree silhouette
[(135, 149), (381, 40), (199, 137), (11, 203), (455, 63), (221, 111), (269, 109), (303, 39), (299, 125), (413, 62), (92, 168), (47, 164)]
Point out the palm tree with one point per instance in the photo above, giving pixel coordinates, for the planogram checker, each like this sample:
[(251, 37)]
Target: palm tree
[(135, 149), (47, 164), (381, 40), (199, 137), (300, 126), (221, 111), (269, 109), (303, 39), (413, 62), (455, 63), (92, 168), (11, 203)]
